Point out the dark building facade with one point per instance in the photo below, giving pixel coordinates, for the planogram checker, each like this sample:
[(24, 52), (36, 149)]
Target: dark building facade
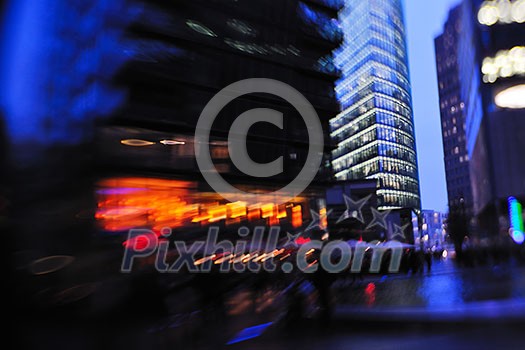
[(183, 53), (491, 60), (452, 109)]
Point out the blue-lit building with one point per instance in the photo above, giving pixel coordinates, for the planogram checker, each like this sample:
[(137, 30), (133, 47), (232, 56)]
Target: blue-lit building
[(57, 63), (56, 68), (375, 130)]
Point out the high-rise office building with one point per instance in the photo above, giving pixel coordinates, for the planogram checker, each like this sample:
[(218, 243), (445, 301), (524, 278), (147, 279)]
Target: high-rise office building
[(375, 130), (491, 58), (452, 108)]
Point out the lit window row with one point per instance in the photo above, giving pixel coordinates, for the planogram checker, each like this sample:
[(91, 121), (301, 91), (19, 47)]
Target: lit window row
[(358, 50), (360, 155), (378, 86), (360, 164), (392, 142), (365, 170), (375, 78), (357, 137), (396, 136), (397, 182), (396, 150), (350, 123), (350, 72)]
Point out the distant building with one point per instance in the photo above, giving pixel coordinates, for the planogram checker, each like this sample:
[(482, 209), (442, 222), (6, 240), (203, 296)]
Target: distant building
[(452, 108), (433, 232), (375, 130)]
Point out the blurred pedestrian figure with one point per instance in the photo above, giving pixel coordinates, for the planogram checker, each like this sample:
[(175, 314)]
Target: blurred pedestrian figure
[(322, 281), (355, 275), (295, 305), (428, 259), (413, 261), (420, 260)]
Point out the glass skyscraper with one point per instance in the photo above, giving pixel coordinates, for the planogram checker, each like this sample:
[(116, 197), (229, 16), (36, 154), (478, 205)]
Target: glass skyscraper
[(375, 130)]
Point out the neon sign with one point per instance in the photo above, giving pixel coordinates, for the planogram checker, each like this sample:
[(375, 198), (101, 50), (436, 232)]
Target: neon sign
[(516, 220)]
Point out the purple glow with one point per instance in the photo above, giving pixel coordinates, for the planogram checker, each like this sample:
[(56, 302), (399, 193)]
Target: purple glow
[(120, 190)]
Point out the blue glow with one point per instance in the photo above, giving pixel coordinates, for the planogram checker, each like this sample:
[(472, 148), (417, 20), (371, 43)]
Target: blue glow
[(57, 66), (518, 236), (326, 26), (249, 333)]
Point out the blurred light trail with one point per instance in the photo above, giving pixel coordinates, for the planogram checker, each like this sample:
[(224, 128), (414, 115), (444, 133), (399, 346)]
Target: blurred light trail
[(249, 333)]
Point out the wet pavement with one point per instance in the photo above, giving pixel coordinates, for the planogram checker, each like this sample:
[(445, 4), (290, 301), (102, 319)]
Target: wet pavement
[(351, 337), (467, 308), (444, 286)]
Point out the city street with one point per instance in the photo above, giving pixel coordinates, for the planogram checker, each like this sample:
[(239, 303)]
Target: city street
[(474, 308), (263, 174), (445, 307), (444, 287)]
